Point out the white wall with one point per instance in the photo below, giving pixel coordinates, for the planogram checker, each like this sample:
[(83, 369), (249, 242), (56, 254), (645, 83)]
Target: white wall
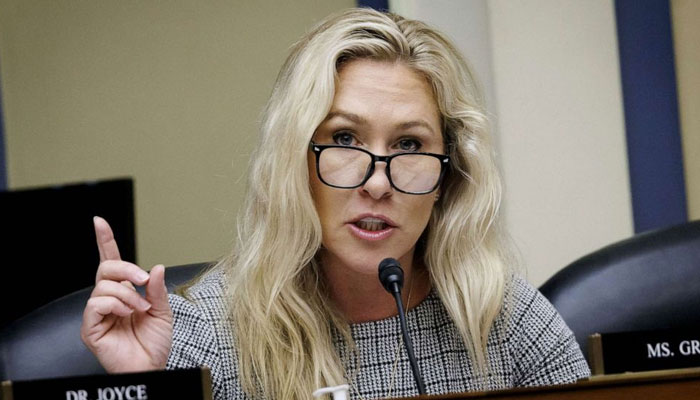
[(559, 120), (168, 92), (466, 22)]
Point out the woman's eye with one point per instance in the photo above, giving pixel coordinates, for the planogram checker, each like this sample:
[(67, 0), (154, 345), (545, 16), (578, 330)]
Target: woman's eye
[(409, 145), (343, 139)]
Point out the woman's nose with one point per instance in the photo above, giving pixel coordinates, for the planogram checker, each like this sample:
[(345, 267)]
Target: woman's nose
[(378, 185)]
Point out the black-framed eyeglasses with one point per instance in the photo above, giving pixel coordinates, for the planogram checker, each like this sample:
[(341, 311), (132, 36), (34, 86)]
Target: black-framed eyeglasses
[(348, 167)]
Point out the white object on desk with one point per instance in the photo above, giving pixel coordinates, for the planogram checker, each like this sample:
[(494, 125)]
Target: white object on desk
[(339, 392)]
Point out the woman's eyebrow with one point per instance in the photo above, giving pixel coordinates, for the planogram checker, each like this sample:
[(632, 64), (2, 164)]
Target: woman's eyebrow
[(416, 123), (345, 115), (361, 120)]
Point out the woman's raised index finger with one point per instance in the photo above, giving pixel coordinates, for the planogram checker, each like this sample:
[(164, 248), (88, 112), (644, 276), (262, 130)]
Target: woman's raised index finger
[(106, 244)]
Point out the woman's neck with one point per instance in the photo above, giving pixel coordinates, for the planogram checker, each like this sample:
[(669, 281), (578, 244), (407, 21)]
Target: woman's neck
[(362, 298)]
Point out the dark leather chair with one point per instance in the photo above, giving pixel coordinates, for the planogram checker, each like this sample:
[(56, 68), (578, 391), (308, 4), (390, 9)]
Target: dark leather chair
[(46, 342), (648, 282)]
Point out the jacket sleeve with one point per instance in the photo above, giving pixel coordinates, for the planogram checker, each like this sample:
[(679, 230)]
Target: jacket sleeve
[(194, 341), (543, 347)]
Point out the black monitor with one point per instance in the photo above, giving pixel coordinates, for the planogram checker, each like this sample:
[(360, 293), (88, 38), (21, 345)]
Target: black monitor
[(48, 245)]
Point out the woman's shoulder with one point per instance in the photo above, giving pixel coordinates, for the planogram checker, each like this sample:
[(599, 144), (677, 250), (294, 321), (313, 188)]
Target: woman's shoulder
[(205, 297), (210, 285), (523, 301), (202, 335), (539, 338), (526, 310)]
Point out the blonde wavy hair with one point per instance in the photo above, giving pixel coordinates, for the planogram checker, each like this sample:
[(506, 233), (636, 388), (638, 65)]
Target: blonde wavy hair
[(283, 322)]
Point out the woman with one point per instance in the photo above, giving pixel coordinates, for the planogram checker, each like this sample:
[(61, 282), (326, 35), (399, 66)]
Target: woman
[(374, 144)]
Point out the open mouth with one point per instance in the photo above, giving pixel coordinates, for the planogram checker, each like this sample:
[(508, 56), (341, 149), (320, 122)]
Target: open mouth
[(371, 224)]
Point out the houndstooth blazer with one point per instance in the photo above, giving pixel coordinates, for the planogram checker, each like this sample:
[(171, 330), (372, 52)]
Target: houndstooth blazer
[(529, 345)]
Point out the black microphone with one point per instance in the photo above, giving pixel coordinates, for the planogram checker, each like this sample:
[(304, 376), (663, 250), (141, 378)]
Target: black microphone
[(391, 277)]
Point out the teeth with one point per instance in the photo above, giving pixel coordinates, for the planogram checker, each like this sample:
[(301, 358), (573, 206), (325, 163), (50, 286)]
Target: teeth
[(371, 224)]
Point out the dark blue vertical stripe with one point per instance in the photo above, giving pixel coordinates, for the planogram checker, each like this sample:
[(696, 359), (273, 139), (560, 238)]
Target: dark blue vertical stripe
[(651, 113), (381, 5)]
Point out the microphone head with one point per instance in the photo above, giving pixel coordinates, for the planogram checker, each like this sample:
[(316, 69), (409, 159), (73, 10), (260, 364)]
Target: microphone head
[(391, 275)]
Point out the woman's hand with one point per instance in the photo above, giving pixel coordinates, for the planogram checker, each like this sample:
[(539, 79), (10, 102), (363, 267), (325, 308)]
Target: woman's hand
[(126, 332)]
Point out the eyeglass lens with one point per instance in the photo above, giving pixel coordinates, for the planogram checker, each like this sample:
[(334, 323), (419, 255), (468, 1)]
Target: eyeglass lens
[(347, 167)]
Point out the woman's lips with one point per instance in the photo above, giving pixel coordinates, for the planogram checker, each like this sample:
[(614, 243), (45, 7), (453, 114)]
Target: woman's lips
[(371, 235), (371, 227)]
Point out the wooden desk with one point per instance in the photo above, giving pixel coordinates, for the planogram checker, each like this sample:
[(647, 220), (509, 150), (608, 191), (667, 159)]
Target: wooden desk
[(677, 384)]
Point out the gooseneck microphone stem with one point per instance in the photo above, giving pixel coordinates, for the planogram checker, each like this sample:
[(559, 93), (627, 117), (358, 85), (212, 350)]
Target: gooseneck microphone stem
[(391, 276), (409, 344)]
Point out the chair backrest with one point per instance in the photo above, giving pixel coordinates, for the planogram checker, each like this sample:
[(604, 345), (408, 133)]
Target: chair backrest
[(648, 282), (65, 214), (46, 342)]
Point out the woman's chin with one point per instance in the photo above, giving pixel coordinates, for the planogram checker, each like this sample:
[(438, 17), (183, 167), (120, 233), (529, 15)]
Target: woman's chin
[(360, 265)]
